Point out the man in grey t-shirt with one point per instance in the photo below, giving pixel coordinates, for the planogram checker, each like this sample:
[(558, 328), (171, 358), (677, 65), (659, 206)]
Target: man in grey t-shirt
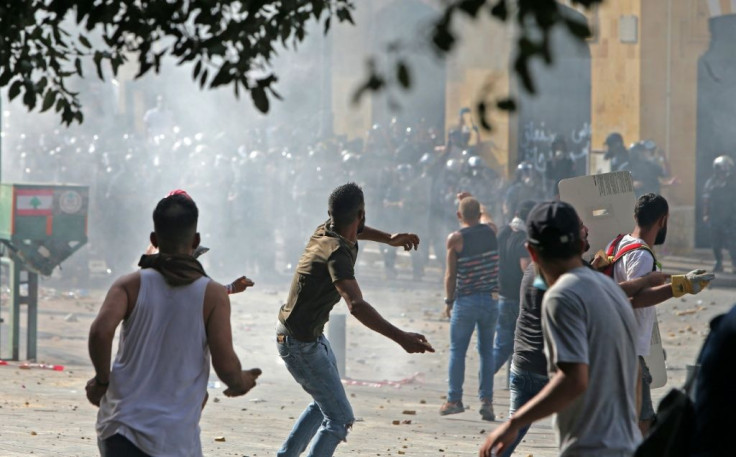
[(589, 331)]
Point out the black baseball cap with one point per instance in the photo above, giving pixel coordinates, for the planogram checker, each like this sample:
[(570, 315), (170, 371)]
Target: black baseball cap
[(554, 229)]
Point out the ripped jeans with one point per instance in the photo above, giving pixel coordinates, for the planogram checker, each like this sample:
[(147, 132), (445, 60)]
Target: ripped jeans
[(329, 416)]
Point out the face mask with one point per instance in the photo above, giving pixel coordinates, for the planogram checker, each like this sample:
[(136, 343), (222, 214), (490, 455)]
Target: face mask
[(539, 282), (661, 236)]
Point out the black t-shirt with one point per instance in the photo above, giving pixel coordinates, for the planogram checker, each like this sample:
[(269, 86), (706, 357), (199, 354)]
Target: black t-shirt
[(718, 195), (328, 258), (510, 251), (528, 338), (647, 173)]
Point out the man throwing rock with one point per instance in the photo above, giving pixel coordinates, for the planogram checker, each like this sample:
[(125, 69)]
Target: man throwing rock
[(324, 275)]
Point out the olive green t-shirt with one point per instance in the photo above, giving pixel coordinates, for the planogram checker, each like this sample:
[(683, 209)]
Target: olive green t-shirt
[(328, 258)]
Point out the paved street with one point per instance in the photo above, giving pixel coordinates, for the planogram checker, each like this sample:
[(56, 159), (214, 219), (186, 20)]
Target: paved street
[(45, 412)]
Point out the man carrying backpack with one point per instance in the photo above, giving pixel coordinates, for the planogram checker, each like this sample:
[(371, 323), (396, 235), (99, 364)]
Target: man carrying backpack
[(650, 214)]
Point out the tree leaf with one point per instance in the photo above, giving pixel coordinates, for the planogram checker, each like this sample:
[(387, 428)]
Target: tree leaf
[(483, 116), (5, 77), (97, 59), (442, 38), (506, 104), (344, 15), (500, 10), (260, 99), (522, 71), (85, 42), (471, 7), (402, 74), (14, 89), (203, 78), (317, 8), (48, 100), (78, 66), (578, 28), (29, 97), (222, 77)]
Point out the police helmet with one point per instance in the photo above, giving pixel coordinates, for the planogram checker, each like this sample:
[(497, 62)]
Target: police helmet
[(427, 159), (524, 166), (523, 169), (454, 165), (723, 163), (614, 139), (476, 162)]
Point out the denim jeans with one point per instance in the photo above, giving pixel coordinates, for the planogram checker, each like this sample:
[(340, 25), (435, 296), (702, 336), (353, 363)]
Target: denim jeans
[(647, 412), (329, 416), (524, 386), (503, 347), (119, 446), (470, 312)]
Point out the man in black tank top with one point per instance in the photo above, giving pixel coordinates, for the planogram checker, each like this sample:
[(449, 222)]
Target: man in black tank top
[(471, 282)]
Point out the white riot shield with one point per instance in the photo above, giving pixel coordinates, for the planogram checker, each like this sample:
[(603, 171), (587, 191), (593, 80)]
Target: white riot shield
[(606, 203)]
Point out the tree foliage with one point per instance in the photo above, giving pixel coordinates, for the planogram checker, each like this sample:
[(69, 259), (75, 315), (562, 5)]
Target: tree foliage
[(534, 20), (228, 43)]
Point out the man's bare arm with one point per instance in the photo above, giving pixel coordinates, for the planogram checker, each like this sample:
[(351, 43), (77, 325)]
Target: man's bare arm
[(371, 234), (451, 270), (636, 286), (651, 296), (567, 384), (368, 316), (117, 306), (220, 341), (406, 240), (570, 381), (114, 309)]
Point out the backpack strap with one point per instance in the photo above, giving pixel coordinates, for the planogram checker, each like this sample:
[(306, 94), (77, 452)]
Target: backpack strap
[(634, 247), (614, 244)]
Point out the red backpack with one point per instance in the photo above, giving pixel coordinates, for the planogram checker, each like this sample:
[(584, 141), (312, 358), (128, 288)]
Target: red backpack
[(614, 256)]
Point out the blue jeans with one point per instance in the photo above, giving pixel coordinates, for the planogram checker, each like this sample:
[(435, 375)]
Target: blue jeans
[(470, 312), (329, 416), (524, 385), (503, 347)]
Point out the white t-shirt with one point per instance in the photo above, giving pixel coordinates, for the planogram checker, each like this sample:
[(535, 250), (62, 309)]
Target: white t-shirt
[(635, 264), (587, 319)]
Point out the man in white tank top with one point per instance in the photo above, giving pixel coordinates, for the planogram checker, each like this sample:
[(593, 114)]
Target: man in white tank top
[(173, 318)]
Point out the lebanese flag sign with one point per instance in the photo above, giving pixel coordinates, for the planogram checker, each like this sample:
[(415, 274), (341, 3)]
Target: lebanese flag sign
[(32, 202)]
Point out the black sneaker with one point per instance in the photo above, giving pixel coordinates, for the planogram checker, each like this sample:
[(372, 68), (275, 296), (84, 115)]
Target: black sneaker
[(486, 411)]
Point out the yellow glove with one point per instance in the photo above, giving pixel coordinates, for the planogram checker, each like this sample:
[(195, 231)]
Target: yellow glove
[(600, 260), (691, 283)]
